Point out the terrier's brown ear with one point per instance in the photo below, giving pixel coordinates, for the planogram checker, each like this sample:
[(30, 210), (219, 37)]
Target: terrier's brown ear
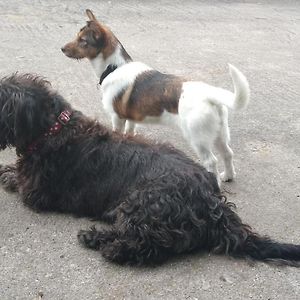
[(90, 15)]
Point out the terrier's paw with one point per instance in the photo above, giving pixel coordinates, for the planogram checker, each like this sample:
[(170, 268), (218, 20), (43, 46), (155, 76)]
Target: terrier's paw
[(225, 177)]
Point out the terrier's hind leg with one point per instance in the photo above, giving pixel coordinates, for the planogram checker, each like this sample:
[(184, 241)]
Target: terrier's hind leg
[(222, 144), (208, 159), (8, 178), (203, 149), (201, 130)]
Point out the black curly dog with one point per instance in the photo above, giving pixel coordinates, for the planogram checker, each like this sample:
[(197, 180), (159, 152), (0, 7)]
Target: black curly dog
[(158, 201)]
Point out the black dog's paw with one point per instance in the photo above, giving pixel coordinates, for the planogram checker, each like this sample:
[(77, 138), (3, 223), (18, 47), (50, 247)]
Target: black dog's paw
[(8, 178), (89, 238), (7, 168)]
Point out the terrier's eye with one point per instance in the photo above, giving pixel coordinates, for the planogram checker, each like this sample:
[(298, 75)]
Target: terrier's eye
[(82, 42)]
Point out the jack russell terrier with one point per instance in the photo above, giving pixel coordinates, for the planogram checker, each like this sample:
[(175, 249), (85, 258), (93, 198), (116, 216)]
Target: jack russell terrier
[(133, 92)]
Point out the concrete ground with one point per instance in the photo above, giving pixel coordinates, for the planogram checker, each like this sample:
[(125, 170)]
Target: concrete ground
[(39, 253)]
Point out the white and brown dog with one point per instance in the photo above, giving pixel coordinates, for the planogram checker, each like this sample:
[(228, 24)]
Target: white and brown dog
[(133, 92)]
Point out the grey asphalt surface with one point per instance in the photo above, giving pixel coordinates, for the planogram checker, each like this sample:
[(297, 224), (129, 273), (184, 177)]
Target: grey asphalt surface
[(39, 253)]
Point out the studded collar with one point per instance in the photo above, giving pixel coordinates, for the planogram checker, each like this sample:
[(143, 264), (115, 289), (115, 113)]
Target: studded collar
[(62, 120)]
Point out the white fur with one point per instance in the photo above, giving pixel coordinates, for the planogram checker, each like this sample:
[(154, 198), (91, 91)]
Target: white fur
[(100, 64), (202, 113), (204, 119), (114, 83)]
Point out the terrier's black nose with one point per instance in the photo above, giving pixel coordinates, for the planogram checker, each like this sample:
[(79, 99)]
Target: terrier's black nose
[(63, 49)]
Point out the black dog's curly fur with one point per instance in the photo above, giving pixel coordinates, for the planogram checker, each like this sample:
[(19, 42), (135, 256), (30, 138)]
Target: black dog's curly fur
[(158, 201)]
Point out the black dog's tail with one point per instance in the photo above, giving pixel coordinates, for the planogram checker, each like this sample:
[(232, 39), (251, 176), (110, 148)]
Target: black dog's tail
[(238, 240), (265, 249)]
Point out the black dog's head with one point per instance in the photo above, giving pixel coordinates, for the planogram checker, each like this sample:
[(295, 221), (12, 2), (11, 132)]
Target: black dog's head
[(28, 106)]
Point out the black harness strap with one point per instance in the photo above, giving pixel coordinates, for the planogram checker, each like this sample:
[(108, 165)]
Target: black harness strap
[(108, 70)]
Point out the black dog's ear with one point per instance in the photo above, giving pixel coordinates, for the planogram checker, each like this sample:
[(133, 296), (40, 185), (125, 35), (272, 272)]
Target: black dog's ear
[(26, 126), (7, 118)]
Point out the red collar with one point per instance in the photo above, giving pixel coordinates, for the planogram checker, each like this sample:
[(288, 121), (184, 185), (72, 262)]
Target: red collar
[(62, 120)]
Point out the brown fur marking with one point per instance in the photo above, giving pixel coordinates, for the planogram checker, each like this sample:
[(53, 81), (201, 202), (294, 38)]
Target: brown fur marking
[(121, 101), (91, 40), (151, 94)]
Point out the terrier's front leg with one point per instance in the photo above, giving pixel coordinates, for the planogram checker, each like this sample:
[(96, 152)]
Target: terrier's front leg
[(130, 128), (117, 123), (8, 178)]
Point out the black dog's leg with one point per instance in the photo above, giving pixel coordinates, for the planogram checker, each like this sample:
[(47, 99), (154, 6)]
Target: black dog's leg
[(8, 178), (94, 239), (122, 248), (126, 243)]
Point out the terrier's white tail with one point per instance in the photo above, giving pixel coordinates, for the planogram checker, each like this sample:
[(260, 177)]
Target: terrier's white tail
[(241, 88), (241, 95)]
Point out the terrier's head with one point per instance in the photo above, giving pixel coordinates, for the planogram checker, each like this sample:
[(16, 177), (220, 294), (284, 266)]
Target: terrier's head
[(91, 40)]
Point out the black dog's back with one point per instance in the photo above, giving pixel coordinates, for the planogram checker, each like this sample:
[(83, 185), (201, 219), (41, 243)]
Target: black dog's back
[(103, 168), (159, 201)]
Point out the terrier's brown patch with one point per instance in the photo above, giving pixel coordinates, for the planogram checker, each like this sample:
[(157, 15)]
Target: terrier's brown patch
[(151, 94), (121, 101)]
